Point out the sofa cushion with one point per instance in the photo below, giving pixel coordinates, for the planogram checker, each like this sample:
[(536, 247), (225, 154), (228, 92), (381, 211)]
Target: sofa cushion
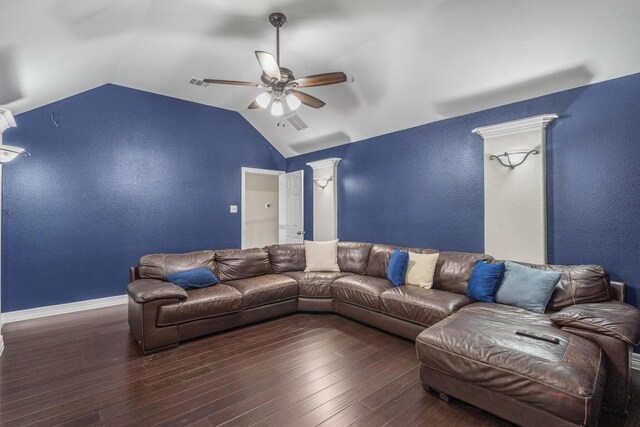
[(321, 255), (526, 287), (267, 289), (287, 257), (482, 348), (579, 284), (454, 270), (315, 284), (421, 305), (379, 258), (421, 269), (193, 279), (363, 291), (158, 266), (200, 304), (484, 281), (503, 313), (397, 268), (353, 257), (234, 264)]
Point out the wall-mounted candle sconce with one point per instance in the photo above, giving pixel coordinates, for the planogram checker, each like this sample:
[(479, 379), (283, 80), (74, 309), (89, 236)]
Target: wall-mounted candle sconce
[(505, 158), (322, 182)]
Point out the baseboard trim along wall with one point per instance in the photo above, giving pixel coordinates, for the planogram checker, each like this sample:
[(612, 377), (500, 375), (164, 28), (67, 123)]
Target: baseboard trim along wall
[(52, 310), (635, 361)]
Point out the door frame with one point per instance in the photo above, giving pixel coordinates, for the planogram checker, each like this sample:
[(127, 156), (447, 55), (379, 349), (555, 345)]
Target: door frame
[(283, 200), (244, 172)]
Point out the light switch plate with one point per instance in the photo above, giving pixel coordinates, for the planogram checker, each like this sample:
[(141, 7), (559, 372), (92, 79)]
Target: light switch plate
[(233, 209)]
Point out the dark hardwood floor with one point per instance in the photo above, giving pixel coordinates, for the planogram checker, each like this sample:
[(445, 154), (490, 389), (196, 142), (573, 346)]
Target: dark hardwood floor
[(84, 369)]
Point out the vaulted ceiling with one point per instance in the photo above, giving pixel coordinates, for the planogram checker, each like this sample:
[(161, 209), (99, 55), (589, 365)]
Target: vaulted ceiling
[(413, 61)]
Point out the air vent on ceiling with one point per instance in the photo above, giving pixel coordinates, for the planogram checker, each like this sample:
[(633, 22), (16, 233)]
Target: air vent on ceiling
[(296, 121), (198, 82)]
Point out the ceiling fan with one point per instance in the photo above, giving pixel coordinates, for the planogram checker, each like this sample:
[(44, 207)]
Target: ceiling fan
[(281, 83)]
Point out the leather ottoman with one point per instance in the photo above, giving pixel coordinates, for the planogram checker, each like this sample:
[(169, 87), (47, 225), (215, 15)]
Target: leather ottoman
[(514, 365)]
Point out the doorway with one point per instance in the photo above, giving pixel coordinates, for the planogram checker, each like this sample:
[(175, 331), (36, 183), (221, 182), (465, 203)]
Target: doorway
[(271, 207)]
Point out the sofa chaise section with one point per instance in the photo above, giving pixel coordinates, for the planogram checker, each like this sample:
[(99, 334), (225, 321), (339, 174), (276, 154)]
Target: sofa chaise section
[(477, 356)]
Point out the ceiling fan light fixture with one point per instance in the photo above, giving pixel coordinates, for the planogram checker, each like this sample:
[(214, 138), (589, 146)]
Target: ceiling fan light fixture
[(276, 108), (9, 152), (263, 99), (292, 101)]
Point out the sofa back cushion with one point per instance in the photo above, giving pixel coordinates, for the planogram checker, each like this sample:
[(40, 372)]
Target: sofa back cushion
[(579, 284), (454, 270), (353, 257), (234, 264), (158, 266), (285, 258), (379, 258)]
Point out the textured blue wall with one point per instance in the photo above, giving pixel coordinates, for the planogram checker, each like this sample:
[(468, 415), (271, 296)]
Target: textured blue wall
[(125, 174), (129, 173), (423, 186)]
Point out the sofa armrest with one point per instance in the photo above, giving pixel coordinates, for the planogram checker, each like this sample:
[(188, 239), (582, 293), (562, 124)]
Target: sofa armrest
[(618, 290), (613, 318), (146, 290)]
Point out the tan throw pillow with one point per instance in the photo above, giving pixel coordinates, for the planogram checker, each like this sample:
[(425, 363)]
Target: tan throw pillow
[(422, 268), (321, 256)]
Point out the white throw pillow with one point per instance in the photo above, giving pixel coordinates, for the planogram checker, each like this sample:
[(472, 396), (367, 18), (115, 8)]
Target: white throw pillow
[(321, 256), (422, 268)]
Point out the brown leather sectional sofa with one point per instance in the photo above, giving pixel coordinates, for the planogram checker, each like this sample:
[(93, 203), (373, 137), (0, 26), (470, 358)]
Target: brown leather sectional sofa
[(467, 349)]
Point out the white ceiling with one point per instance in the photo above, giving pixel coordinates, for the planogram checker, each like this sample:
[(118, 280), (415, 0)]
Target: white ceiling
[(413, 61)]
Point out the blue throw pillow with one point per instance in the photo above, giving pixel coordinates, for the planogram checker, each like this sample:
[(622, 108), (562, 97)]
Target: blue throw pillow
[(397, 268), (526, 287), (193, 279), (484, 281)]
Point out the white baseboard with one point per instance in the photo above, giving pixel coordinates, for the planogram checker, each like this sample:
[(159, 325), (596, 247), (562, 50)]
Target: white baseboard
[(635, 361), (52, 310)]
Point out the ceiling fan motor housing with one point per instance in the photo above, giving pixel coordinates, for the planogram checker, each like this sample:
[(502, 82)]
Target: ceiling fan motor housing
[(277, 19), (287, 76)]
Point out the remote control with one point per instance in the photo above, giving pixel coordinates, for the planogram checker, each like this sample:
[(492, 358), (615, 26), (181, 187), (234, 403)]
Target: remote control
[(538, 336)]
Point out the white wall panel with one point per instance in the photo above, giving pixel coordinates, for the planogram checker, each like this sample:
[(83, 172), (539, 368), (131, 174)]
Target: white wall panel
[(325, 200), (515, 205)]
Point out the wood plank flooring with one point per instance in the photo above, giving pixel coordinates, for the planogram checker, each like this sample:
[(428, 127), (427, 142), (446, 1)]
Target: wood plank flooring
[(84, 369)]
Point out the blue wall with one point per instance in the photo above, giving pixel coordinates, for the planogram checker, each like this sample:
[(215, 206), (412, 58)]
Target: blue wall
[(126, 173), (423, 186)]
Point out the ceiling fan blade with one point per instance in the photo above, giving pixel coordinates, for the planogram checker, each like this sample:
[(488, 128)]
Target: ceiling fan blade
[(232, 82), (307, 99), (269, 65), (321, 79), (254, 105)]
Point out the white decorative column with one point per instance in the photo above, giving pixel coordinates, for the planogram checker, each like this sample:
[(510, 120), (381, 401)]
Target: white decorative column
[(325, 198), (515, 195), (6, 121)]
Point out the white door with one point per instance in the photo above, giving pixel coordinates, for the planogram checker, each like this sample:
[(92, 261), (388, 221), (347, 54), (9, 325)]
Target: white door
[(292, 207)]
